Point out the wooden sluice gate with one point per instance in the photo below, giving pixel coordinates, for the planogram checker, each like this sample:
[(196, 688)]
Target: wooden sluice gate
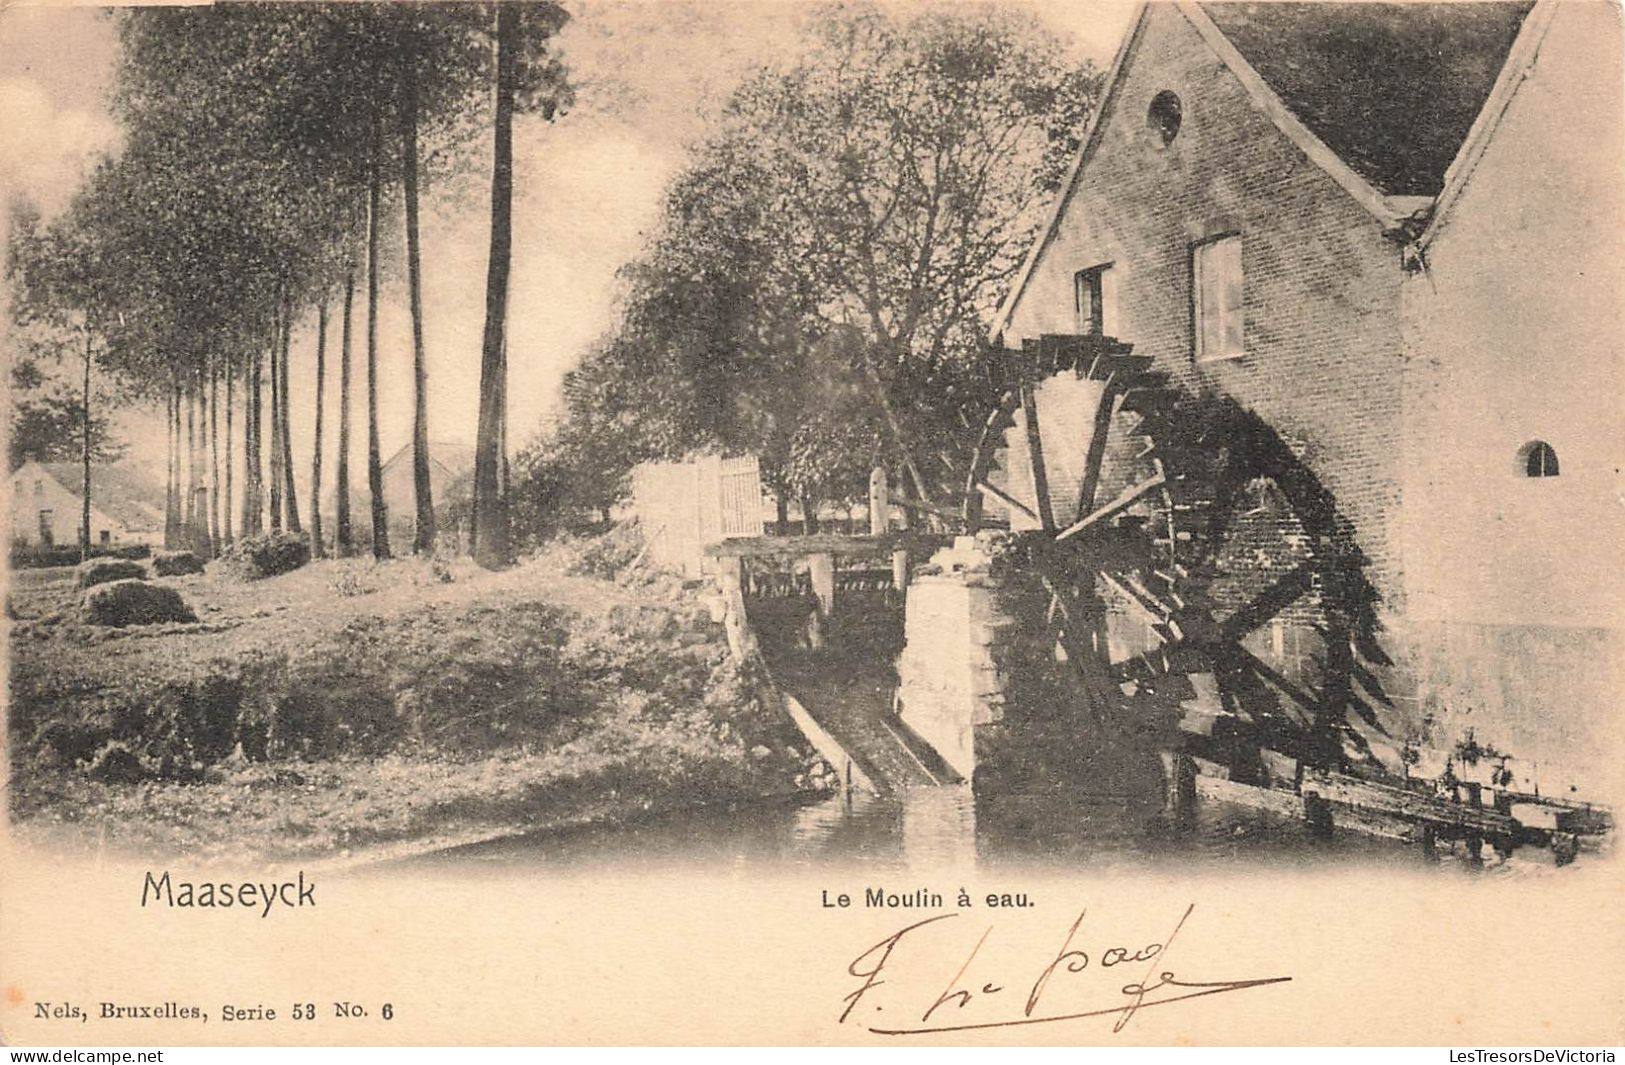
[(810, 586), (820, 563)]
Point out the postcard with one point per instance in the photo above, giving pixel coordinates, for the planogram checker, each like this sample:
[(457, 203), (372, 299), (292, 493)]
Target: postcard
[(914, 523)]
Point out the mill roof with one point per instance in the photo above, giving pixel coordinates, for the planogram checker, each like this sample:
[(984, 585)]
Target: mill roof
[(1391, 88)]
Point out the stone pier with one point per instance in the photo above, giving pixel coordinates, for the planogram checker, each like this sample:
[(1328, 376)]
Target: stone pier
[(948, 680)]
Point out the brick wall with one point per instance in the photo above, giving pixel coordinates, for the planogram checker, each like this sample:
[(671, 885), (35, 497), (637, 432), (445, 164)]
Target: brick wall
[(1322, 284)]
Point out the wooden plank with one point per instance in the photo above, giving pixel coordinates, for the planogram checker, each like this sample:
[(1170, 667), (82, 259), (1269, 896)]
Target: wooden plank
[(910, 503), (1122, 502), (821, 567), (980, 460), (1035, 456), (1105, 411), (879, 502), (921, 544), (1131, 597), (1396, 802), (1216, 789), (829, 748), (1006, 498)]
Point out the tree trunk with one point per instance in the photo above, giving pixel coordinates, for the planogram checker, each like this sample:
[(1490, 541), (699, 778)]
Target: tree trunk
[(202, 544), (204, 540), (254, 474), (248, 526), (214, 457), (316, 548), (345, 536), (422, 487), (276, 426), (191, 539), (172, 472), (245, 526), (491, 533), (84, 509), (375, 473), (809, 515), (290, 493), (225, 508), (901, 439), (781, 503)]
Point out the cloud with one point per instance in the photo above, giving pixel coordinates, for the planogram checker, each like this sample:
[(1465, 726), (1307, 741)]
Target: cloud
[(46, 150)]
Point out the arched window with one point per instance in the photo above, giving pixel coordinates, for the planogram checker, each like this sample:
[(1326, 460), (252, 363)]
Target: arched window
[(1165, 115), (1537, 459)]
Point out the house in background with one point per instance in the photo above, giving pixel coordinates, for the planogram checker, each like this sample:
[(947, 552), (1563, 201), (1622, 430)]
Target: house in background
[(1390, 231), (451, 481), (126, 506)]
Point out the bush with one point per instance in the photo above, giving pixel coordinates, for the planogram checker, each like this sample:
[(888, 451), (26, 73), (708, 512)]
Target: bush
[(38, 556), (116, 764), (266, 555), (176, 564), (101, 570), (134, 602), (608, 556)]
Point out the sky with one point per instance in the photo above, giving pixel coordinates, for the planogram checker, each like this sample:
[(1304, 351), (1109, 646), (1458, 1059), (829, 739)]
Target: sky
[(588, 188)]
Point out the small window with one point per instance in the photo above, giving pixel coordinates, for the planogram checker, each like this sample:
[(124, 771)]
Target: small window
[(45, 532), (1165, 116), (107, 536), (1537, 459), (39, 486), (1089, 290), (1216, 292)]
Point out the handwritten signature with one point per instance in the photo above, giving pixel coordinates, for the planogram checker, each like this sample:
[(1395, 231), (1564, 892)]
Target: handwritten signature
[(1158, 986)]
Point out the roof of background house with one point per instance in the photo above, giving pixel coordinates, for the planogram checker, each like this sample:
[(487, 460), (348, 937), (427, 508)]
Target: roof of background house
[(123, 492), (1391, 88), (457, 458)]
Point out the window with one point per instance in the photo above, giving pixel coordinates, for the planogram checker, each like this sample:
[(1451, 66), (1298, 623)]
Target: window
[(45, 534), (1218, 310), (1089, 290), (107, 536), (1165, 116), (1537, 459)]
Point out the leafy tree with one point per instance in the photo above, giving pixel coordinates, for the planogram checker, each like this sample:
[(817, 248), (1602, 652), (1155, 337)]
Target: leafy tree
[(312, 111), (48, 423), (61, 280), (906, 165), (829, 259)]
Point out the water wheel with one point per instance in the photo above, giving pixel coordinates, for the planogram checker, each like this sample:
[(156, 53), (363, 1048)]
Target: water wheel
[(1131, 494)]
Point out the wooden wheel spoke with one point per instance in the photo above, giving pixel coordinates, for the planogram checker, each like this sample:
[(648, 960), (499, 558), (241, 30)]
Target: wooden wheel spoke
[(1004, 497), (1035, 457), (1123, 501)]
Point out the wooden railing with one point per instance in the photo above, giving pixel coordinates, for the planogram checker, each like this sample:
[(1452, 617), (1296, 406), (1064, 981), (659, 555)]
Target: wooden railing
[(821, 553)]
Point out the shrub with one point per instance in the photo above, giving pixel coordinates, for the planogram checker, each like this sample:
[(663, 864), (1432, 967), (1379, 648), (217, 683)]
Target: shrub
[(134, 602), (266, 555), (608, 556), (116, 764), (101, 570), (176, 563)]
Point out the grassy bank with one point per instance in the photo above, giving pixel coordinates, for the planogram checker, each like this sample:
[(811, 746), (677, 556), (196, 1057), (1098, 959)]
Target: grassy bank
[(351, 705)]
